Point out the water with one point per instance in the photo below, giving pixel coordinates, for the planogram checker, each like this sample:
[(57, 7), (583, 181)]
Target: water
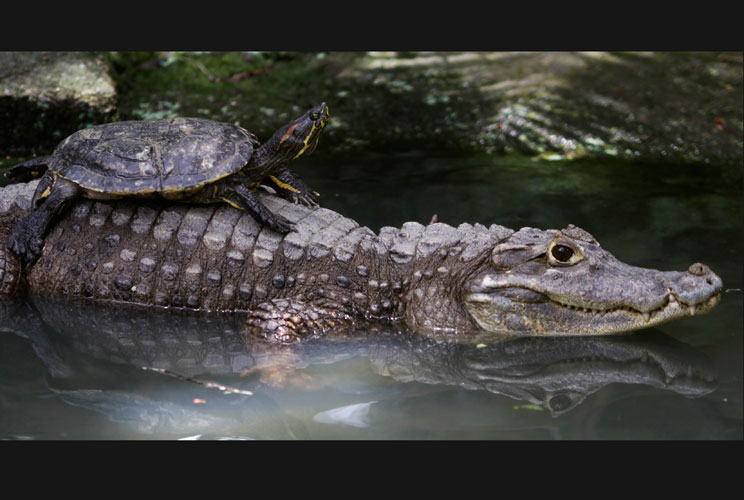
[(79, 374)]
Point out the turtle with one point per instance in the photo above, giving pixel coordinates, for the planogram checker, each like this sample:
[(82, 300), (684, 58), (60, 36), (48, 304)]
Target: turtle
[(194, 160)]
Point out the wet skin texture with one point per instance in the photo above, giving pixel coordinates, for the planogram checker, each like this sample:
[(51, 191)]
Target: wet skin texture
[(329, 273)]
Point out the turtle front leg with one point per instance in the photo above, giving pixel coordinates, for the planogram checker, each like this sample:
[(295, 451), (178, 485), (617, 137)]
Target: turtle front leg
[(292, 188), (241, 197), (26, 238), (11, 268)]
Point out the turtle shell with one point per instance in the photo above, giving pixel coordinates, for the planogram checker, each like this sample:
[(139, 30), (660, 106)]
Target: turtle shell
[(153, 156)]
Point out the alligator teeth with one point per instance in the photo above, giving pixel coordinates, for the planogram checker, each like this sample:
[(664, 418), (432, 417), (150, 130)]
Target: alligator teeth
[(489, 282), (479, 297), (692, 310), (646, 316), (672, 299)]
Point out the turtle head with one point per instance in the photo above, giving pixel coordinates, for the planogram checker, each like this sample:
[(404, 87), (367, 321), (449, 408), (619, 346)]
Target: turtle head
[(300, 137)]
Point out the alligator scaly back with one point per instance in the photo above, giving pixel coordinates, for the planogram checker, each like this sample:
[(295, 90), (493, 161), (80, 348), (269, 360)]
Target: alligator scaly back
[(332, 273), (219, 259)]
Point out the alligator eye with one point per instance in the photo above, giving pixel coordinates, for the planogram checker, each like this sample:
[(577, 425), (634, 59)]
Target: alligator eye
[(314, 116), (562, 253), (559, 402)]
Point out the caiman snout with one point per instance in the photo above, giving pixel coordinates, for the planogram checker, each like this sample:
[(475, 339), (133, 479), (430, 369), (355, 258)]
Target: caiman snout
[(700, 269), (699, 289), (545, 283), (711, 279)]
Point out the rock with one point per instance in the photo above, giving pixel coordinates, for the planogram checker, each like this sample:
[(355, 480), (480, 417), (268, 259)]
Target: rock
[(652, 107), (669, 107), (45, 96)]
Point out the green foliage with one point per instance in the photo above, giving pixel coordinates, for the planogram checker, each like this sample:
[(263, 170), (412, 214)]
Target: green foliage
[(259, 89)]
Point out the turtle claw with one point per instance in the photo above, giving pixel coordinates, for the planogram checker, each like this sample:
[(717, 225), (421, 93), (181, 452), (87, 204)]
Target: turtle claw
[(248, 201), (24, 239), (292, 188), (307, 199), (26, 247), (280, 224), (33, 252)]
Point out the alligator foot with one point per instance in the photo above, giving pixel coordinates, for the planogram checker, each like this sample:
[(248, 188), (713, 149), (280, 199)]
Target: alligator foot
[(288, 321)]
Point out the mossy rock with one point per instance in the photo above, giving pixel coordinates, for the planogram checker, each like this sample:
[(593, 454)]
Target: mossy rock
[(649, 107), (655, 107), (45, 96)]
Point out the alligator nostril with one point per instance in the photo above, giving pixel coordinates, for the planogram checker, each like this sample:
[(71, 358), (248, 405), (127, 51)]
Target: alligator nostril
[(698, 269), (709, 281)]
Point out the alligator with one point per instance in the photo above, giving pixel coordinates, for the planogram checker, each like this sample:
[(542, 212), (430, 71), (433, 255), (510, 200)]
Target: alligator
[(330, 273)]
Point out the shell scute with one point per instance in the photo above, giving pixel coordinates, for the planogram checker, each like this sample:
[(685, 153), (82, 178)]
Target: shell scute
[(141, 157)]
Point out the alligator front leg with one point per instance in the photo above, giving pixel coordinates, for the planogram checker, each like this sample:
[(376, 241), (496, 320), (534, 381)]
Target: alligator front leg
[(288, 321)]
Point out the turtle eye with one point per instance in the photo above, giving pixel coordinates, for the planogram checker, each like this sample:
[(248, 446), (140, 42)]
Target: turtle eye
[(314, 116), (562, 253)]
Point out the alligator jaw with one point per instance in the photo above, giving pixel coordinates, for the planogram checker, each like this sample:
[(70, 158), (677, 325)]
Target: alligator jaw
[(552, 283), (526, 311), (575, 319)]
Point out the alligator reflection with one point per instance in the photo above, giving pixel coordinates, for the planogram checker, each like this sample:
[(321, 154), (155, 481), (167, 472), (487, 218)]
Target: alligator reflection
[(81, 344)]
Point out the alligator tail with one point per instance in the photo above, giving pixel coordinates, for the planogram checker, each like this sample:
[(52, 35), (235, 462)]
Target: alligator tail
[(28, 170)]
